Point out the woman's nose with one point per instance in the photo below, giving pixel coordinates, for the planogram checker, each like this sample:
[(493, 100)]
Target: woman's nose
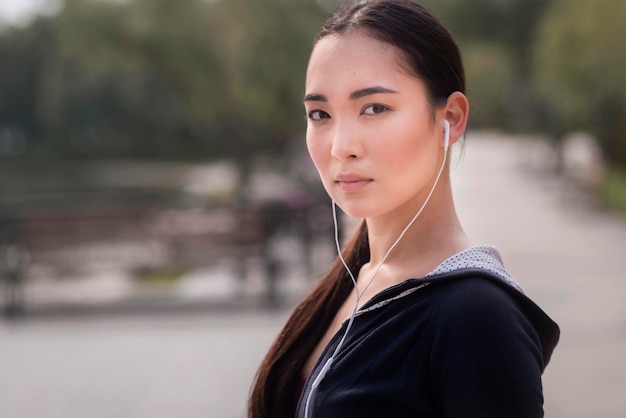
[(346, 144)]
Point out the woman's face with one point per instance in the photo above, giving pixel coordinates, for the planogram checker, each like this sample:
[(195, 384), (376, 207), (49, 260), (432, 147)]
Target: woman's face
[(370, 131)]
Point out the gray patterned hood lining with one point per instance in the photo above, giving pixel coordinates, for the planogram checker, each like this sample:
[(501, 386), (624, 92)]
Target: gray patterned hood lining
[(484, 257)]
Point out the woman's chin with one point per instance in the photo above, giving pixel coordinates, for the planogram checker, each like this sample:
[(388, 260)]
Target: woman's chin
[(354, 210)]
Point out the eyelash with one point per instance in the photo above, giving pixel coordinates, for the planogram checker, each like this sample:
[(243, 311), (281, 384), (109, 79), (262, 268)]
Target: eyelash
[(313, 112), (383, 107), (323, 115)]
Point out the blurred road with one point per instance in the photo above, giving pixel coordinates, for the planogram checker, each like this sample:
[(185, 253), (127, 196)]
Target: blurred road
[(186, 365), (570, 258)]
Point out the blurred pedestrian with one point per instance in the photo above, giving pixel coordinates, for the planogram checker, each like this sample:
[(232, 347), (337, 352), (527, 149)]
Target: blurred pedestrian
[(14, 260), (413, 319)]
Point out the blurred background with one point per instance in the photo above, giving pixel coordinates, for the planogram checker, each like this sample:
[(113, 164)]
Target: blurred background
[(159, 215)]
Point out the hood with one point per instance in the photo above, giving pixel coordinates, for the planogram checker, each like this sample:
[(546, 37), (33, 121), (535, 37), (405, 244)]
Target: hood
[(486, 261), (481, 261)]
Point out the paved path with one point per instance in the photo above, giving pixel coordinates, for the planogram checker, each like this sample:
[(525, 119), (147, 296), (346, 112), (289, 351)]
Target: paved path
[(570, 259), (184, 366)]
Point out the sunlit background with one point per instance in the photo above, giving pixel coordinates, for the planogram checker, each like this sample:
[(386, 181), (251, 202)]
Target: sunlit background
[(159, 215)]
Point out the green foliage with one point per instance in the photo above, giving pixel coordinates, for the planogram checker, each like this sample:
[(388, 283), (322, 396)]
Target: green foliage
[(613, 191), (135, 79), (22, 56), (489, 79), (190, 79), (581, 70), (267, 53), (509, 22), (495, 36), (203, 79)]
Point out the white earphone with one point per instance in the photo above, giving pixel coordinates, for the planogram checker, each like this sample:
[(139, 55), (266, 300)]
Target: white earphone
[(446, 135)]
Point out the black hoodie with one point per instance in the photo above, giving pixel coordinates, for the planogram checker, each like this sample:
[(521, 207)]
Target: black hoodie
[(462, 342)]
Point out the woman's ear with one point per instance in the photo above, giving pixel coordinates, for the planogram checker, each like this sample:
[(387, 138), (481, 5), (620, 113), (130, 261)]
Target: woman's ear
[(456, 112)]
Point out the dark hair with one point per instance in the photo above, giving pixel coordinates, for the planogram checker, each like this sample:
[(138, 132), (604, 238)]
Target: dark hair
[(429, 50), (432, 55)]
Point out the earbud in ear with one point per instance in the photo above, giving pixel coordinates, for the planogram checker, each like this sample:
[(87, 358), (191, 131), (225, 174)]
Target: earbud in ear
[(446, 134)]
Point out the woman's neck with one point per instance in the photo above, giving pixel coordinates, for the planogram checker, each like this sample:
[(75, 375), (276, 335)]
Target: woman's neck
[(436, 233)]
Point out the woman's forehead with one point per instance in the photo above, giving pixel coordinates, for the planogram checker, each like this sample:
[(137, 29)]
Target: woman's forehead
[(354, 60), (355, 48)]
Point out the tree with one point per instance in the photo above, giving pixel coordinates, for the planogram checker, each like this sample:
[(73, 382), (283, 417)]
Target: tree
[(490, 77), (136, 79), (267, 52), (495, 38), (22, 56), (580, 70), (191, 79)]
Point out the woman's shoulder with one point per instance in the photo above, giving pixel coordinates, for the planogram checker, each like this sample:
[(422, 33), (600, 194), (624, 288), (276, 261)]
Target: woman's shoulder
[(474, 296), (478, 306), (486, 351)]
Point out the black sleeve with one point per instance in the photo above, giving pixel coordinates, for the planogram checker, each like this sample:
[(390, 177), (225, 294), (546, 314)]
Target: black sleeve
[(486, 359)]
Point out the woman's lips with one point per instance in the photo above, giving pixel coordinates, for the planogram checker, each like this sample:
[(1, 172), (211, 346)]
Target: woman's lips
[(351, 183)]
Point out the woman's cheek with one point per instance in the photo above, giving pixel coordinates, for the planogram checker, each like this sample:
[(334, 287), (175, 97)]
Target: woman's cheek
[(316, 152)]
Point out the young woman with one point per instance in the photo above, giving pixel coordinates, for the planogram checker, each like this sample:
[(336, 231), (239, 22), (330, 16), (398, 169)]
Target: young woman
[(419, 322)]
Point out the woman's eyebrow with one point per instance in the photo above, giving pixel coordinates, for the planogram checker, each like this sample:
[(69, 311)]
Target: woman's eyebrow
[(315, 98), (368, 91), (353, 96)]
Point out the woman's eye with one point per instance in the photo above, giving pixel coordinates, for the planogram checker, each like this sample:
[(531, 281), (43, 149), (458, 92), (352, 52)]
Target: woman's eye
[(318, 115), (375, 109)]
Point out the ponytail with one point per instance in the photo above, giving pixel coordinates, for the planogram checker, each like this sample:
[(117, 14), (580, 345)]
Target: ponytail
[(272, 391)]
